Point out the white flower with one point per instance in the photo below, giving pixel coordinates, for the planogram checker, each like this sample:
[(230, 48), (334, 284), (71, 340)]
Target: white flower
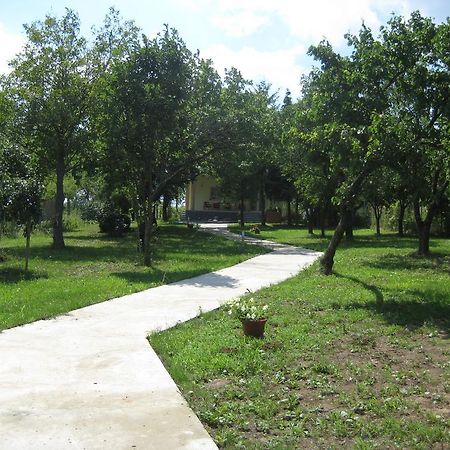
[(247, 308)]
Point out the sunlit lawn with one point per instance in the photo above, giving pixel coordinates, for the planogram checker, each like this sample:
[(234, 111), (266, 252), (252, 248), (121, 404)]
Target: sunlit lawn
[(335, 370), (95, 267)]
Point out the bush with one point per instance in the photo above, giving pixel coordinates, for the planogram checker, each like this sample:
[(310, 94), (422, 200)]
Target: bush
[(114, 223), (389, 220), (72, 223), (9, 229), (45, 226), (90, 212)]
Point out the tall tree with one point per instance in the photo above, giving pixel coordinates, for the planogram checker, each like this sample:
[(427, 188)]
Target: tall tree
[(51, 85), (345, 98), (158, 120), (249, 119), (419, 117), (379, 193), (20, 192)]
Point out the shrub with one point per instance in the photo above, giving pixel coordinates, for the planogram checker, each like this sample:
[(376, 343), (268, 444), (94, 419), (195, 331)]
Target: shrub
[(90, 212), (9, 229), (45, 226), (72, 223), (114, 223)]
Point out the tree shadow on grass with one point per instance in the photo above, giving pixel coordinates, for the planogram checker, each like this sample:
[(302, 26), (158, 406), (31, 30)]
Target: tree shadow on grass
[(101, 237), (436, 262), (383, 241), (140, 277), (169, 241), (12, 275), (414, 314), (430, 308), (87, 253), (379, 298)]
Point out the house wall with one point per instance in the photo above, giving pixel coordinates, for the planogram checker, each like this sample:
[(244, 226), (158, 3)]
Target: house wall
[(199, 192), (204, 207), (199, 197)]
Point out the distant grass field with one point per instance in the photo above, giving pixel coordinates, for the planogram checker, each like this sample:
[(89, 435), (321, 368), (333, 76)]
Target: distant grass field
[(335, 370), (95, 267)]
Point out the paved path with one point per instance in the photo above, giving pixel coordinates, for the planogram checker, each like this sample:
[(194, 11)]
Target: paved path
[(89, 379)]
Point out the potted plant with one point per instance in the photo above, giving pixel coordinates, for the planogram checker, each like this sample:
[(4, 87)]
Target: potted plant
[(251, 313)]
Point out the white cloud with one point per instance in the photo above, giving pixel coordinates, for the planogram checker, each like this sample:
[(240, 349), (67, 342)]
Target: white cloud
[(330, 19), (11, 44), (243, 23), (308, 20), (194, 5), (280, 67)]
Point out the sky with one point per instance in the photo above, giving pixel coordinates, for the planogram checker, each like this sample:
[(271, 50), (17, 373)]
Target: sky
[(265, 39)]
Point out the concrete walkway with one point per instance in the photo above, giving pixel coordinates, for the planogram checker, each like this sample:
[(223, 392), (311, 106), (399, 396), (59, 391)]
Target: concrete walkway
[(89, 379)]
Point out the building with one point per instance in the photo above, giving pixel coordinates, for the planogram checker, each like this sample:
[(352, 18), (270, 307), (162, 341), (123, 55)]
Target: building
[(205, 203)]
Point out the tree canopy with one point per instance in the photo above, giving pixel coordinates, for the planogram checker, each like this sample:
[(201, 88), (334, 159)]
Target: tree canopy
[(131, 119)]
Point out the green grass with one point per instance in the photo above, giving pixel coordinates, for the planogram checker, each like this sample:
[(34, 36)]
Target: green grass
[(95, 267), (334, 370)]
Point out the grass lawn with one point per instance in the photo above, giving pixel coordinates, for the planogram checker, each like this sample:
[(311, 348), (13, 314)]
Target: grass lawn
[(334, 370), (95, 267)]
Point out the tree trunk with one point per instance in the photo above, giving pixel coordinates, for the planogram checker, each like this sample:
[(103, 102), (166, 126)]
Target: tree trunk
[(349, 227), (424, 238), (322, 220), (140, 235), (296, 211), (401, 218), (155, 214), (148, 212), (139, 228), (27, 246), (327, 260), (423, 227), (148, 229), (58, 238), (262, 198), (241, 211), (377, 210), (309, 218), (349, 233), (165, 208), (289, 213), (377, 220)]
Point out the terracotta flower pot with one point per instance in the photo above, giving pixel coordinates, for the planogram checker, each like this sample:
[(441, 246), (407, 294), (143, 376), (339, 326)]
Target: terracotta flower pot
[(254, 328)]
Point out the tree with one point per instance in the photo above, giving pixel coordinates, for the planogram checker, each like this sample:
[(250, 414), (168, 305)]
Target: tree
[(20, 185), (50, 82), (250, 121), (279, 188), (20, 192), (378, 192), (345, 98), (419, 116), (158, 119), (308, 163)]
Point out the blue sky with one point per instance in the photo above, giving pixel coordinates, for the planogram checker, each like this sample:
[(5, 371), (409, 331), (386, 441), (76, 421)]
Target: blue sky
[(265, 39)]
